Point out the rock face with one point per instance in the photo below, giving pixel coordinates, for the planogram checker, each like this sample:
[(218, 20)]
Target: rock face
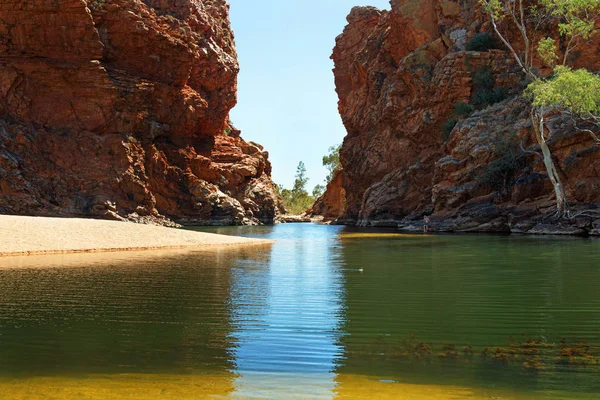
[(399, 75), (332, 203), (120, 109)]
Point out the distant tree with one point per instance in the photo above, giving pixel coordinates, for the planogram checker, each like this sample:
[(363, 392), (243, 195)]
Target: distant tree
[(297, 200), (286, 196), (301, 180), (318, 191), (332, 161), (279, 189)]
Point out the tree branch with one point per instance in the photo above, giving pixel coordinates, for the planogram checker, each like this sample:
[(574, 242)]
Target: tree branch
[(528, 61), (592, 119), (528, 151), (512, 50), (520, 26), (568, 50)]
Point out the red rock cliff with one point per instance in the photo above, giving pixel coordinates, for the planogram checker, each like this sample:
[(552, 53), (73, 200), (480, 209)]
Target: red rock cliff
[(399, 75), (332, 203), (120, 109)]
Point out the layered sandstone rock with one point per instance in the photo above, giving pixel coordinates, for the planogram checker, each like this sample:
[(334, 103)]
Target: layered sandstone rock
[(120, 109), (399, 75)]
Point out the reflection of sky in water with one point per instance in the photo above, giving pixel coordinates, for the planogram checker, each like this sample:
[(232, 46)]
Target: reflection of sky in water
[(287, 316)]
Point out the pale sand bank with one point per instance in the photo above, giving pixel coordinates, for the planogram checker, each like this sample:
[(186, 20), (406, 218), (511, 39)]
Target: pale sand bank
[(40, 235)]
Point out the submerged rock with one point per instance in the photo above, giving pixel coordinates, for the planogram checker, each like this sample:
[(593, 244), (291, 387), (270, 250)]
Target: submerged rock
[(119, 109)]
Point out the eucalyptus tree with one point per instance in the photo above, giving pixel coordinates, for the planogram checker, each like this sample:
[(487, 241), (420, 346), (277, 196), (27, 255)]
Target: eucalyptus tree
[(576, 93), (331, 161)]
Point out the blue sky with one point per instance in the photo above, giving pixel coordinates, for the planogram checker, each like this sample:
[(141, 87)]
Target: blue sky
[(286, 94)]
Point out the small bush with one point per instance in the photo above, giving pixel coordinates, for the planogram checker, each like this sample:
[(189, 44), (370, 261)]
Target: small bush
[(448, 128), (485, 97), (486, 93), (483, 78), (503, 172), (481, 42), (462, 110)]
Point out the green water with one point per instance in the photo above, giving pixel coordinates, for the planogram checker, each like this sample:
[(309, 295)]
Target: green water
[(324, 313)]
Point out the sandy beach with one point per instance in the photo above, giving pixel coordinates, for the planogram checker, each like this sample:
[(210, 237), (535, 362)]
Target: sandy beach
[(40, 235)]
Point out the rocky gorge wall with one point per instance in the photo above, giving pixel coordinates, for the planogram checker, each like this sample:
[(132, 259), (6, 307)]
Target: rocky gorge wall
[(120, 109), (331, 204), (399, 76)]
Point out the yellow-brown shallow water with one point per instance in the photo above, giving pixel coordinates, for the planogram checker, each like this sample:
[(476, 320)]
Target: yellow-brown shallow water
[(183, 387), (325, 313)]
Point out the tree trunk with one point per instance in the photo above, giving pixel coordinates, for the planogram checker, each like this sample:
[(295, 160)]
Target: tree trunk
[(561, 199)]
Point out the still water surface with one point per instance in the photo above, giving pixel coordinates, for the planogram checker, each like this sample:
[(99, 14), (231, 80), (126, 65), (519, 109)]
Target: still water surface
[(326, 312)]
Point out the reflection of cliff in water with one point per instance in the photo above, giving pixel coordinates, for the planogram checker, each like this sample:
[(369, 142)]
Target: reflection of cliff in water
[(170, 314), (477, 310)]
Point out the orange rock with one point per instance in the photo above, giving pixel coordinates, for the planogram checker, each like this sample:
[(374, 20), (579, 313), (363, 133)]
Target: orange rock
[(399, 75), (332, 203), (120, 109)]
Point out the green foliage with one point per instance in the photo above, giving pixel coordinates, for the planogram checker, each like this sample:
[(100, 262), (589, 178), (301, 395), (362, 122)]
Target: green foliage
[(575, 90), (296, 205), (318, 191), (448, 128), (502, 173), (301, 179), (572, 90), (547, 51), (493, 8), (481, 42), (577, 17), (483, 78), (462, 110), (485, 98), (332, 161), (486, 93), (297, 200), (575, 21), (227, 131)]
